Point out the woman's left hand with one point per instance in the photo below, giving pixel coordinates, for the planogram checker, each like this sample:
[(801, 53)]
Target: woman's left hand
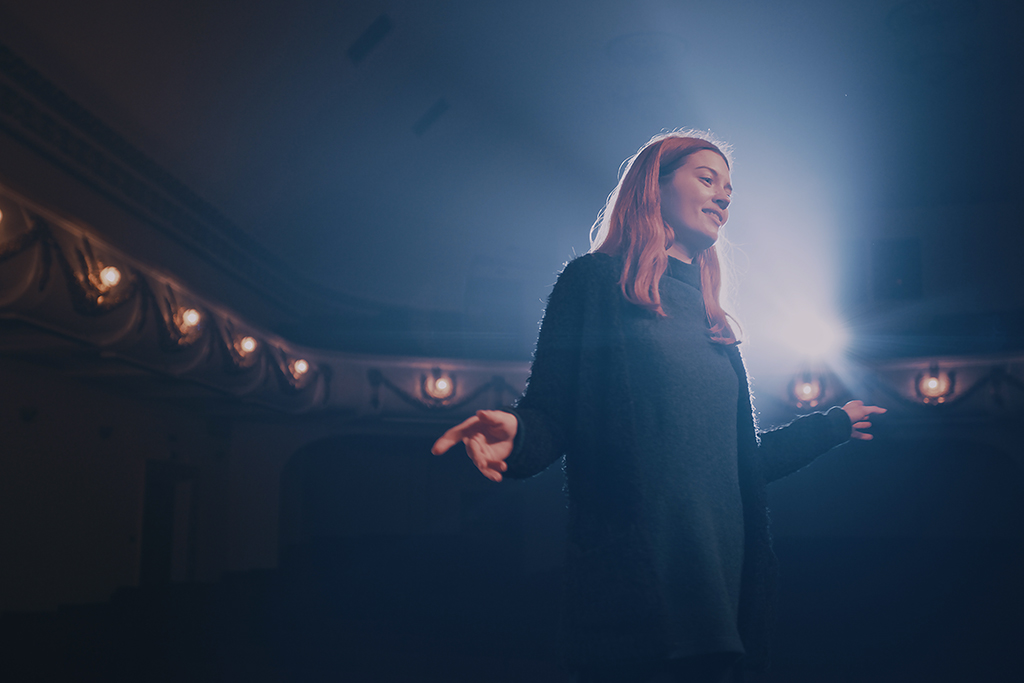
[(860, 415)]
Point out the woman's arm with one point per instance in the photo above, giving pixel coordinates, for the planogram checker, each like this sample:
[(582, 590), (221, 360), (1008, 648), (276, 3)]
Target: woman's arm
[(523, 441), (785, 450)]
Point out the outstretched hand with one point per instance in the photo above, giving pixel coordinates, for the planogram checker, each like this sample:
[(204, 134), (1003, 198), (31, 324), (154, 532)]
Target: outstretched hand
[(489, 436), (860, 418)]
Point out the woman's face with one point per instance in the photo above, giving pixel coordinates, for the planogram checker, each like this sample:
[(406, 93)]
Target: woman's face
[(694, 202)]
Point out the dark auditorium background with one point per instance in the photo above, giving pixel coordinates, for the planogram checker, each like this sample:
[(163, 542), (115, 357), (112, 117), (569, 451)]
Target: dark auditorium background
[(256, 256)]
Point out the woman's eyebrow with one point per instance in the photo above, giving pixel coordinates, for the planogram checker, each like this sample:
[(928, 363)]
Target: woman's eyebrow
[(715, 173)]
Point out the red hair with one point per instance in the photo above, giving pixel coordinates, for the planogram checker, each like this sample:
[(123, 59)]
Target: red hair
[(631, 229)]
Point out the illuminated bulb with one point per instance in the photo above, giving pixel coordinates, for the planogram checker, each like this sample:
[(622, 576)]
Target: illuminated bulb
[(935, 386), (247, 345), (110, 276), (439, 387), (1, 216), (190, 318), (807, 389), (300, 367)]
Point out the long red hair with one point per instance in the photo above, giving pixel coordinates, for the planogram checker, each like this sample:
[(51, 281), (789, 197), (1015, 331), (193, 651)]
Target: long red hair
[(631, 229)]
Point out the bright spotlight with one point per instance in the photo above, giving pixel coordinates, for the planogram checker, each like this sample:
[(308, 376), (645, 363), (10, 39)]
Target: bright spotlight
[(190, 318)]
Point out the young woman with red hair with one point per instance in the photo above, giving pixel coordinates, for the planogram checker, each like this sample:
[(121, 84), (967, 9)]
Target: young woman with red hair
[(638, 382)]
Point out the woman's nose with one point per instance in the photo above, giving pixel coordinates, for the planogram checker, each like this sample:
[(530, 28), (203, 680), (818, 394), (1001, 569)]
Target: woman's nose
[(723, 203)]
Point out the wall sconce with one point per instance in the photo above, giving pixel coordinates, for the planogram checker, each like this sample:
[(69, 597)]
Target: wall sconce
[(807, 389), (189, 324), (935, 386), (245, 346), (187, 319), (109, 277), (438, 386), (298, 368)]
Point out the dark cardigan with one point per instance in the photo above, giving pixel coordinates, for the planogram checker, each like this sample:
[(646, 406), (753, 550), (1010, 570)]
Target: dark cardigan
[(578, 403)]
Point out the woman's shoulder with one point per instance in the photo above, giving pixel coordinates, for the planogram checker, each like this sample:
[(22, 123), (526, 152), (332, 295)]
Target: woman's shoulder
[(591, 268)]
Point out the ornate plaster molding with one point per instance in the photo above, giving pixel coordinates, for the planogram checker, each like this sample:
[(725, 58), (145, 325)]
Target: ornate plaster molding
[(54, 276)]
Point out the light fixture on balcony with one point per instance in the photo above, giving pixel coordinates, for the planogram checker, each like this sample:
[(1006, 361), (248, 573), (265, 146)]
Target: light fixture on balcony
[(935, 386), (807, 389), (245, 346), (298, 367), (188, 319), (438, 386), (110, 276), (189, 325)]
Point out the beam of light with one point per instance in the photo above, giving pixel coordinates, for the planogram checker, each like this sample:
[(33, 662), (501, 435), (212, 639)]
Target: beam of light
[(815, 336), (803, 331)]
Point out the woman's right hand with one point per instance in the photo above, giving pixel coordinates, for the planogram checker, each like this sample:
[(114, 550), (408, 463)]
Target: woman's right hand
[(489, 436)]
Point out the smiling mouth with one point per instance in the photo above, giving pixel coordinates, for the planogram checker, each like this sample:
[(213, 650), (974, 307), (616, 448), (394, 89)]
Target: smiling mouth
[(712, 212)]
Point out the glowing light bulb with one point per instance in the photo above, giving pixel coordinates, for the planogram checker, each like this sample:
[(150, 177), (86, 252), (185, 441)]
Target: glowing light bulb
[(438, 387), (247, 344), (300, 367), (935, 387), (807, 389), (190, 318), (110, 276)]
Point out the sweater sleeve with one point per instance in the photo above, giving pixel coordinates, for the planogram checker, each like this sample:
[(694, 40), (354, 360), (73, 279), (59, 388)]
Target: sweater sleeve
[(546, 410), (786, 449)]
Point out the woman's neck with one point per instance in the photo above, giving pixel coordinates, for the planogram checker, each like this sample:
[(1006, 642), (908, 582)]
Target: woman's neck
[(679, 252)]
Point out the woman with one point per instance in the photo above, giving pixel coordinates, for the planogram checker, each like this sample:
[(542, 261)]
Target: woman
[(637, 380)]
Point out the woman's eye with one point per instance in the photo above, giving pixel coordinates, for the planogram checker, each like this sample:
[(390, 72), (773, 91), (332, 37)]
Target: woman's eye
[(706, 180)]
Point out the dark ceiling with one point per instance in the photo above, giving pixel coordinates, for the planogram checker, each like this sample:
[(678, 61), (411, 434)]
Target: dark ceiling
[(439, 161)]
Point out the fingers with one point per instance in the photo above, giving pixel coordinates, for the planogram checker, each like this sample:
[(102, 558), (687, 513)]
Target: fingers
[(488, 438), (453, 436), (489, 416), (858, 411)]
